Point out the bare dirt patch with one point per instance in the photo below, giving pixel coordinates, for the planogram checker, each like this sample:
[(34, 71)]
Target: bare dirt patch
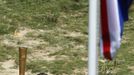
[(8, 68)]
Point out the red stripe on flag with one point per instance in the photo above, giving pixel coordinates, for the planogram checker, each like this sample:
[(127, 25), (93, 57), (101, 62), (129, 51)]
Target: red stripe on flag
[(105, 30)]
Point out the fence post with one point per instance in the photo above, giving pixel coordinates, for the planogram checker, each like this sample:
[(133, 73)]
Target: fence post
[(22, 60)]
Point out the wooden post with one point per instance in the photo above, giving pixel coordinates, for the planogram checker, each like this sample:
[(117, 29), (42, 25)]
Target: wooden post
[(22, 60)]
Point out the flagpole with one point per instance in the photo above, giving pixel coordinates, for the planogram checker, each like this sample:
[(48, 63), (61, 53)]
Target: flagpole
[(92, 37)]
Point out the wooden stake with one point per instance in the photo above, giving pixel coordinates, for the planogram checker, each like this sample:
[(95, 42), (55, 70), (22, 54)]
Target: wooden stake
[(22, 60)]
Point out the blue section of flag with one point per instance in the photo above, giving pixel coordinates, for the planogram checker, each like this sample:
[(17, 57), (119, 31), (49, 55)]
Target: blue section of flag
[(129, 2), (123, 11)]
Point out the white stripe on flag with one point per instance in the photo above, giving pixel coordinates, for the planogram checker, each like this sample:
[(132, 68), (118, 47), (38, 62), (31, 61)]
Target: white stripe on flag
[(114, 25)]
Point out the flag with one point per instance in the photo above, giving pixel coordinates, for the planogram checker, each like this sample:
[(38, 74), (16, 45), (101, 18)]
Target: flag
[(113, 15)]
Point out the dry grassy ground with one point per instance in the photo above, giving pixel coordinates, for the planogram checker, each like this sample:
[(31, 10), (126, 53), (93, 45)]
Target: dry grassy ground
[(55, 32)]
